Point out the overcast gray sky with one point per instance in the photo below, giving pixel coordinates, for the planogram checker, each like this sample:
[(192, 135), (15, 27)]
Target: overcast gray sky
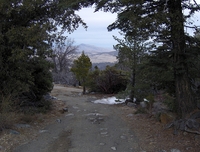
[(97, 33)]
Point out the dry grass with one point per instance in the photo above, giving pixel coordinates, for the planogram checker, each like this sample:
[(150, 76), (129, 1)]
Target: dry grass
[(6, 120)]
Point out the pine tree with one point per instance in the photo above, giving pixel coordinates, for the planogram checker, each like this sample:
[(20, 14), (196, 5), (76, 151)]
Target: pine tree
[(81, 68), (130, 55), (27, 31)]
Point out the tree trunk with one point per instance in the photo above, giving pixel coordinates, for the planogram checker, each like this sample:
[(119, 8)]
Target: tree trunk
[(83, 84), (184, 98), (84, 89), (132, 93)]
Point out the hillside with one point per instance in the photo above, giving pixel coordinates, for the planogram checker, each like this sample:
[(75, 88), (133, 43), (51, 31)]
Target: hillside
[(98, 54), (92, 48)]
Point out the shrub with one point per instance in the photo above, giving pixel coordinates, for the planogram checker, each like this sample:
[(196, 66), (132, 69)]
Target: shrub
[(108, 81), (169, 102)]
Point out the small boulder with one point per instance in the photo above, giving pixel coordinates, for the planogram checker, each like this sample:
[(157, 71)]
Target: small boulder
[(63, 110), (175, 150), (159, 107), (166, 118), (14, 132), (143, 104), (22, 125)]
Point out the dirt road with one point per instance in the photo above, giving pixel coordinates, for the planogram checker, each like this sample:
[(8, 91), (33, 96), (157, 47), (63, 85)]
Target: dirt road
[(86, 127)]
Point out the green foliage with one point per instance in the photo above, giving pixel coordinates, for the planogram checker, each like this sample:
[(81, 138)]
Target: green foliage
[(107, 81), (27, 31), (150, 98), (131, 53), (81, 68), (42, 77), (123, 94), (91, 80), (162, 21), (170, 102), (141, 111), (6, 121), (6, 104)]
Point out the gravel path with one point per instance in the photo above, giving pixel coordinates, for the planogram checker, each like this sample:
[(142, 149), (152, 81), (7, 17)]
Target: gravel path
[(86, 127)]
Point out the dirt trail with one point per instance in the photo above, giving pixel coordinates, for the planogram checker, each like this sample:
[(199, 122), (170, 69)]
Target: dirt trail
[(86, 127)]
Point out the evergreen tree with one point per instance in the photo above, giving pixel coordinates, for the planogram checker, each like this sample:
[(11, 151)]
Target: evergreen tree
[(92, 78), (130, 55), (27, 31), (81, 68)]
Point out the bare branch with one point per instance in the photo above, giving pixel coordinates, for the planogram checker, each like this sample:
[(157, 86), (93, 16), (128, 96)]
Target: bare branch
[(196, 4)]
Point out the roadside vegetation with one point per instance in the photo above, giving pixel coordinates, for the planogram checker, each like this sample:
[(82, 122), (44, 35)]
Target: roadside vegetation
[(156, 54)]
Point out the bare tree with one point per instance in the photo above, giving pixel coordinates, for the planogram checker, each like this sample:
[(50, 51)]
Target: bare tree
[(63, 56)]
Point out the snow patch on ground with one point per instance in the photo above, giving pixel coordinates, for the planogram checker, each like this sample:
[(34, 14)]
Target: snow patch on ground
[(110, 100)]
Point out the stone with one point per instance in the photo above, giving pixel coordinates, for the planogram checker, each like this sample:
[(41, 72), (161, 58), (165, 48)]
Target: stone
[(54, 98), (22, 125), (75, 107), (130, 115), (104, 133), (14, 132), (189, 148), (159, 107), (70, 114), (100, 118), (166, 118), (143, 104), (65, 109), (128, 100), (102, 144), (130, 104), (193, 124), (103, 128), (58, 120), (175, 150), (1, 148), (114, 148), (43, 131), (122, 137), (49, 97)]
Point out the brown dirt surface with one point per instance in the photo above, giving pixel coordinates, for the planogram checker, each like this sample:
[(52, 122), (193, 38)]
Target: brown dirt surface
[(154, 137), (151, 135)]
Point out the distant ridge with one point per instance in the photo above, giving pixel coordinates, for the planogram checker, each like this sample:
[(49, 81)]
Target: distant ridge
[(98, 54), (91, 48)]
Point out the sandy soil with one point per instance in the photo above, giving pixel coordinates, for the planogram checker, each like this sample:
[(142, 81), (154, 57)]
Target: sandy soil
[(89, 127)]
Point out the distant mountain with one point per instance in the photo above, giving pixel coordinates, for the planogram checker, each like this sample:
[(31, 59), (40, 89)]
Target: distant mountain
[(98, 54), (91, 48)]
